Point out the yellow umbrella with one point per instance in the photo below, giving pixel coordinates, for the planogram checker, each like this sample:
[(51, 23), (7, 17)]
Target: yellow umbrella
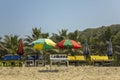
[(43, 44)]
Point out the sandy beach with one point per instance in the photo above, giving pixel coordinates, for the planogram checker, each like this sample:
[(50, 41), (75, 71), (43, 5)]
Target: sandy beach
[(60, 73)]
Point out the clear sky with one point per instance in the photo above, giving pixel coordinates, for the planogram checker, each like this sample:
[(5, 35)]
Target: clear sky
[(20, 16)]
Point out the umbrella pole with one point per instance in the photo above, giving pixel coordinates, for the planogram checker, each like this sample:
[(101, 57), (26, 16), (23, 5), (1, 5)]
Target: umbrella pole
[(42, 52), (50, 65), (44, 58)]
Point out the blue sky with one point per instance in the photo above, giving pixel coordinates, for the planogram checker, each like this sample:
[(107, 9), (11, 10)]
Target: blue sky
[(20, 16)]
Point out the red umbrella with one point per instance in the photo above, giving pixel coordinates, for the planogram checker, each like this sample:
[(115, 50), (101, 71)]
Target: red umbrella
[(20, 50), (68, 44)]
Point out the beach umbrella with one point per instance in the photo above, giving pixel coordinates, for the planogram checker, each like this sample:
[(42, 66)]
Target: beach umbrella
[(68, 44), (43, 44), (86, 49), (20, 50), (110, 50)]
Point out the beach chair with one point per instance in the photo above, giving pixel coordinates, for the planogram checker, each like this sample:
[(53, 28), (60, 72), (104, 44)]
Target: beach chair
[(77, 59), (40, 61), (80, 58), (12, 61), (71, 58), (30, 61), (59, 58), (34, 61), (100, 60)]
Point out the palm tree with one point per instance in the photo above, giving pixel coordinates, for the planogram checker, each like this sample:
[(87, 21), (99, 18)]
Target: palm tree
[(1, 48), (36, 34), (74, 35), (10, 44), (63, 33), (55, 37)]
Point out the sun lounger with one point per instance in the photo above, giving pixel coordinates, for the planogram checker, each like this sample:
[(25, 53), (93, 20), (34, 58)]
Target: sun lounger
[(33, 61), (11, 60), (76, 58), (71, 58), (100, 60)]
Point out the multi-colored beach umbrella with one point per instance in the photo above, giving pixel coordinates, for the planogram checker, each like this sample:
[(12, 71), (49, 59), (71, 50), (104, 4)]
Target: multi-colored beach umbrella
[(86, 49), (43, 44), (110, 50), (68, 44), (20, 50)]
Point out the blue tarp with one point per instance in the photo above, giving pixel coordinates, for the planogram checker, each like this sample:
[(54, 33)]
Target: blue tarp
[(11, 57)]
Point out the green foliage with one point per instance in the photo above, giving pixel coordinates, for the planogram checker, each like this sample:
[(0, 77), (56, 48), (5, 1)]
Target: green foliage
[(63, 33), (117, 38), (56, 37), (74, 35), (97, 40), (10, 44), (36, 34)]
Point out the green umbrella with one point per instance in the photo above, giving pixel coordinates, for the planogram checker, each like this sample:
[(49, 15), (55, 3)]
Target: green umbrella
[(43, 44)]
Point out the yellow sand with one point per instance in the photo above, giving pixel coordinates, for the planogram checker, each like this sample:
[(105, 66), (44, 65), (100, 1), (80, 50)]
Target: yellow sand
[(64, 73)]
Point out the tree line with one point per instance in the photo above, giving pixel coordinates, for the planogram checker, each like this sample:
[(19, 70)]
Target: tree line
[(97, 40)]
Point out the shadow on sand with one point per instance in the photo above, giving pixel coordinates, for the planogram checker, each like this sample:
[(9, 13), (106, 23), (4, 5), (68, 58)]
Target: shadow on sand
[(48, 70)]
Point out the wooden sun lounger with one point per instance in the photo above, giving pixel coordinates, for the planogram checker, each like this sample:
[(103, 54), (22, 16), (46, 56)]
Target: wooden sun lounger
[(77, 59), (11, 63), (103, 60)]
